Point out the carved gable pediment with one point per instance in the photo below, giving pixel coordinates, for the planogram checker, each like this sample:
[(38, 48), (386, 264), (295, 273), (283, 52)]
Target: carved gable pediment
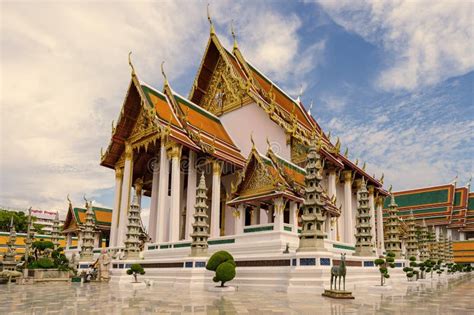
[(257, 180), (224, 91)]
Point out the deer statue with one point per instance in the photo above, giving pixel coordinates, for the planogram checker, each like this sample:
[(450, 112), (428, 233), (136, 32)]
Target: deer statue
[(339, 272)]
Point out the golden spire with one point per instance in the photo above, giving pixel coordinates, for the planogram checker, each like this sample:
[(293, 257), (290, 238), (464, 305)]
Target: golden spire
[(131, 64), (346, 153), (233, 34), (357, 162), (381, 178), (269, 145), (212, 30), (251, 140), (338, 145), (69, 200), (363, 166), (164, 74)]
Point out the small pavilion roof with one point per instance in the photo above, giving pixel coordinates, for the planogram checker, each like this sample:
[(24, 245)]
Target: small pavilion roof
[(76, 218)]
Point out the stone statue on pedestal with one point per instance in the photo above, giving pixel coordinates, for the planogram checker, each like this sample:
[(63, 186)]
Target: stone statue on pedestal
[(104, 266), (338, 272)]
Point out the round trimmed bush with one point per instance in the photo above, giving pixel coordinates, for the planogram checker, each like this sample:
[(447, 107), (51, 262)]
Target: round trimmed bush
[(225, 272), (410, 275), (217, 259), (45, 263), (379, 261)]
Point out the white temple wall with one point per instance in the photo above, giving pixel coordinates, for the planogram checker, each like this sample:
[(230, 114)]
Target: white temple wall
[(339, 202), (355, 203), (229, 221), (251, 119)]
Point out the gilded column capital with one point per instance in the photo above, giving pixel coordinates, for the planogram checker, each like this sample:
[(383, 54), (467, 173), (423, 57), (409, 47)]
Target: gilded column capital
[(358, 183), (379, 201), (279, 205), (139, 186), (371, 189), (174, 150), (128, 151), (216, 167), (347, 174), (119, 172)]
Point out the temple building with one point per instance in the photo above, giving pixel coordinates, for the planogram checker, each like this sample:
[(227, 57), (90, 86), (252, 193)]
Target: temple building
[(75, 225), (447, 209), (250, 140)]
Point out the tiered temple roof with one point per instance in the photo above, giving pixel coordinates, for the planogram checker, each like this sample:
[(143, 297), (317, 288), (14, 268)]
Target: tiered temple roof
[(246, 85), (270, 176), (445, 205), (170, 113), (76, 218)]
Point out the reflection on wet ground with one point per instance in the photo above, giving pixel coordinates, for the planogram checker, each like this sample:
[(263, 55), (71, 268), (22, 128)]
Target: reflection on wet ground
[(447, 296)]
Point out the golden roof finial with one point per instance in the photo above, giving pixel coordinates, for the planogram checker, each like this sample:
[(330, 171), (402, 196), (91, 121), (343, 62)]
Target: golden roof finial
[(338, 145), (163, 73), (390, 189), (346, 153), (251, 140), (363, 166), (69, 200), (233, 34), (130, 63), (269, 145), (381, 178), (300, 93), (212, 30)]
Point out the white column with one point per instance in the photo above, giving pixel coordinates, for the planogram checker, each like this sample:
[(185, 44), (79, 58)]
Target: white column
[(138, 191), (68, 240), (239, 215), (116, 211), (278, 207), (191, 194), (332, 193), (437, 232), (162, 194), (462, 236), (449, 233), (372, 213), (253, 216), (380, 236), (125, 196), (152, 221), (348, 226), (96, 240), (294, 216), (175, 154), (79, 241), (216, 199)]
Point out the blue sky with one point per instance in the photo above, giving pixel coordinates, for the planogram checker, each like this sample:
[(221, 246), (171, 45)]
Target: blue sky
[(393, 79)]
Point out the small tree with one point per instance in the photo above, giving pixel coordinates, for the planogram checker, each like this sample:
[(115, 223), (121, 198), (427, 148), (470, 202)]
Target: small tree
[(430, 266), (383, 263), (135, 270), (409, 272), (224, 265)]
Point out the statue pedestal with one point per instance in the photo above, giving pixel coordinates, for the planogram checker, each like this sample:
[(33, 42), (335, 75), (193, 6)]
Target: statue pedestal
[(336, 294), (221, 289)]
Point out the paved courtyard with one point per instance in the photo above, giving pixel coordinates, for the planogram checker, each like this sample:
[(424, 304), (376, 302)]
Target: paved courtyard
[(452, 296)]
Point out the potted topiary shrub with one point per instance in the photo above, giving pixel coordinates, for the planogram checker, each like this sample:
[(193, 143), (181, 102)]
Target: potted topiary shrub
[(135, 270), (383, 263), (223, 264)]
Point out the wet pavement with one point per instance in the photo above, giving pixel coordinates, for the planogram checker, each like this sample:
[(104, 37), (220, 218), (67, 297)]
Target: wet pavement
[(446, 296)]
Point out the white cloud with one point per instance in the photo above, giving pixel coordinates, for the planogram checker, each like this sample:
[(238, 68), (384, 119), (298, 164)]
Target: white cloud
[(415, 145), (427, 41), (334, 103), (64, 74)]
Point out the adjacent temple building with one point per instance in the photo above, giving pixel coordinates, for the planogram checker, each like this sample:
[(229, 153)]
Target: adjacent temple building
[(250, 140)]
